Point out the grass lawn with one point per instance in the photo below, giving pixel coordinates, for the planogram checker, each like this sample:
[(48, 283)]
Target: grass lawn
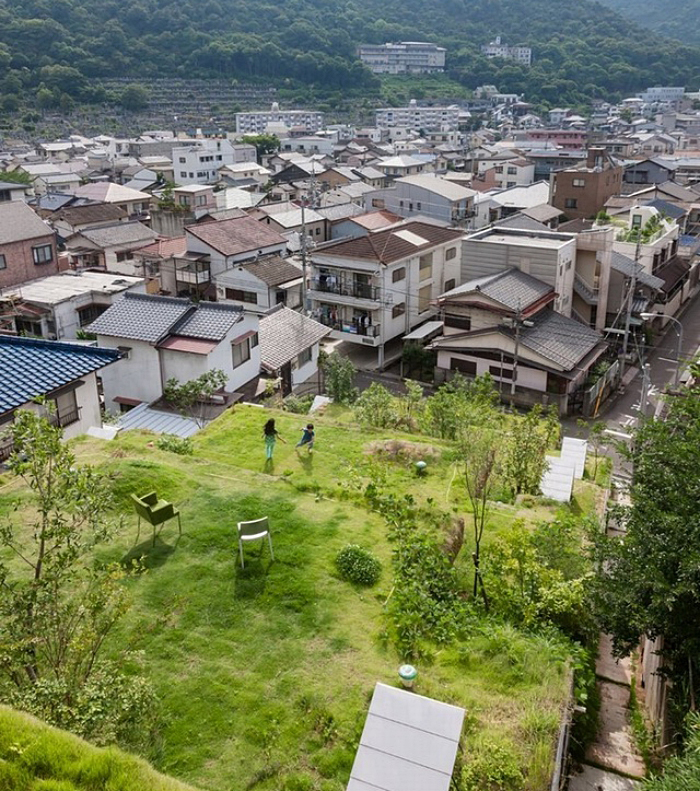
[(265, 673)]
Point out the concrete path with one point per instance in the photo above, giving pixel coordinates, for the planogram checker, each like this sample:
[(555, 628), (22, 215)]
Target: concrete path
[(593, 779)]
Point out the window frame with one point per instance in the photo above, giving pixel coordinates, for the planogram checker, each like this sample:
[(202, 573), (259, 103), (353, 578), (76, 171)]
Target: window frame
[(398, 274), (306, 356), (36, 254), (245, 354), (3, 261), (398, 310)]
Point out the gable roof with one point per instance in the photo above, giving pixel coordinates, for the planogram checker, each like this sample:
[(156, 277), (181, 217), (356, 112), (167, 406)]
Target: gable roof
[(512, 288), (118, 233), (560, 339), (395, 243), (626, 266), (237, 235), (284, 334), (19, 222), (108, 192), (90, 213), (273, 270), (30, 367), (445, 189), (209, 321)]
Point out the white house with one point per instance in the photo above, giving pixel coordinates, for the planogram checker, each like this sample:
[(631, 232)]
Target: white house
[(427, 196), (65, 374), (165, 337), (109, 247), (262, 283), (377, 287), (200, 164)]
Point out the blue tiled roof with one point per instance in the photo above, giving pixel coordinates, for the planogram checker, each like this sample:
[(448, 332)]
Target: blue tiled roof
[(30, 368)]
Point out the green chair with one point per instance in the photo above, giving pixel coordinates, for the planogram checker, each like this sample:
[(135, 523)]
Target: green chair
[(156, 512), (251, 531)]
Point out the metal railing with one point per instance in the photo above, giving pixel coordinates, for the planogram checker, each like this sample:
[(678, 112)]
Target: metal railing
[(193, 273), (347, 288), (352, 328), (584, 289)]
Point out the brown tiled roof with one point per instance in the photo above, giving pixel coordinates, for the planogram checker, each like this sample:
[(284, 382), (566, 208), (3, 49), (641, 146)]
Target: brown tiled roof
[(375, 220), (389, 245), (93, 212), (166, 248), (273, 270), (239, 235)]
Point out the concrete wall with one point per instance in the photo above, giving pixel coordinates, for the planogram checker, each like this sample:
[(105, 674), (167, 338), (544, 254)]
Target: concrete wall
[(136, 376)]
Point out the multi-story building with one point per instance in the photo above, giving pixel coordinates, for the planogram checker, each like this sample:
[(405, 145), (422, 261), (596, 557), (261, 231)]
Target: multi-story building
[(582, 191), (662, 95), (27, 245), (427, 196), (200, 164), (256, 123), (496, 49), (418, 117), (415, 57), (377, 287)]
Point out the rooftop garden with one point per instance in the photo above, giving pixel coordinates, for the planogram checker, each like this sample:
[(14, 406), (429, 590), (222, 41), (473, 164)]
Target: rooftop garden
[(260, 677)]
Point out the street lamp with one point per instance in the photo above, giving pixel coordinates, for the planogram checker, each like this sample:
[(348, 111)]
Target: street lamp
[(647, 316)]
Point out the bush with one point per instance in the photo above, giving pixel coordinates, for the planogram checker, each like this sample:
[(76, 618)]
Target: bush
[(358, 565), (495, 767), (179, 445), (300, 405)]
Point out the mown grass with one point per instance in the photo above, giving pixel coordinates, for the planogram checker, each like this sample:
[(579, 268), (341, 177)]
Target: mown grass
[(265, 673)]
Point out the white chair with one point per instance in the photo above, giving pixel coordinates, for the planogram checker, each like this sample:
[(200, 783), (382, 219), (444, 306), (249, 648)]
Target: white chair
[(250, 531)]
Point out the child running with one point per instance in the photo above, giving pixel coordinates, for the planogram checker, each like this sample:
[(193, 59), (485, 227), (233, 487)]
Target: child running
[(307, 437), (271, 435)]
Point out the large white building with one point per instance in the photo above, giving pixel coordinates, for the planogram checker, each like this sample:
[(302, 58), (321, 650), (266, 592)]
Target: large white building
[(200, 164), (496, 49), (416, 117), (274, 119), (417, 57), (662, 95)]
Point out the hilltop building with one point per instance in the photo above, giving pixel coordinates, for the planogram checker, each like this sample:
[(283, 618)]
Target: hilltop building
[(412, 57), (274, 119), (496, 49)]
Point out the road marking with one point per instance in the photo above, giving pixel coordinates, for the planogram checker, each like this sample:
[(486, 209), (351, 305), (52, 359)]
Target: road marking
[(620, 434)]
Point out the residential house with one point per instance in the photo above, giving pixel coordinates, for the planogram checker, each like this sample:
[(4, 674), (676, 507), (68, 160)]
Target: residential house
[(73, 219), (361, 223), (517, 199), (27, 245), (581, 192), (648, 171), (290, 221), (9, 191), (64, 374), (161, 338), (60, 306), (514, 173), (134, 202), (400, 166), (548, 161), (262, 283), (503, 324), (171, 270), (289, 346), (200, 164), (109, 247), (377, 287), (429, 196), (56, 182)]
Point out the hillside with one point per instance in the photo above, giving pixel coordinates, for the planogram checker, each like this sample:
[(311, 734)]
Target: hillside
[(581, 50), (35, 756), (679, 19)]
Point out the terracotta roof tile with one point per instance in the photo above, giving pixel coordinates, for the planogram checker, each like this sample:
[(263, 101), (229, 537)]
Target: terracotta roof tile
[(239, 235)]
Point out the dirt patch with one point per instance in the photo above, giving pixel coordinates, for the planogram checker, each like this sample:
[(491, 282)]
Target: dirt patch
[(402, 450)]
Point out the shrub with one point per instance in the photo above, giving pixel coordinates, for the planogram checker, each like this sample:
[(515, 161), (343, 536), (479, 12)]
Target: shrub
[(493, 768), (300, 405), (358, 565), (179, 445)]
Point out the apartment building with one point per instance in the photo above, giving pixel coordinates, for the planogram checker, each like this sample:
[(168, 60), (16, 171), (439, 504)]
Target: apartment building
[(497, 49), (200, 164), (418, 117), (258, 122), (582, 191), (413, 57)]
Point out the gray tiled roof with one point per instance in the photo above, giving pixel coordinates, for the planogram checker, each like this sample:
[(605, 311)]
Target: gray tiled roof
[(273, 270), (31, 367), (512, 288), (209, 321), (119, 233), (284, 334), (141, 317), (562, 340), (521, 222), (19, 222), (621, 263)]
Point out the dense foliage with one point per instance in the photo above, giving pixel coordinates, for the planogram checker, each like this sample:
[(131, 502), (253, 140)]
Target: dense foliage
[(54, 50), (681, 773), (668, 19), (358, 565)]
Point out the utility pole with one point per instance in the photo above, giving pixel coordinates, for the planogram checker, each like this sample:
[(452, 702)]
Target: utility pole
[(518, 316), (630, 300), (304, 306)]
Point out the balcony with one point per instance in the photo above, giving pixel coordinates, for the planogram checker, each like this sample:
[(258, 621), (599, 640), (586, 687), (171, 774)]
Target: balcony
[(350, 288), (194, 273), (587, 291), (350, 328)]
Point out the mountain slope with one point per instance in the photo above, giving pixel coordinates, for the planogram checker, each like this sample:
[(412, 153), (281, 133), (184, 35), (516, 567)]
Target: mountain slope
[(580, 49), (679, 19)]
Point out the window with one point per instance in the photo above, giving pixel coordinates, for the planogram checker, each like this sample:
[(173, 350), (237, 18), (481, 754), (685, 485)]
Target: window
[(568, 265), (418, 205), (201, 200), (184, 201), (458, 322), (579, 182), (27, 327), (463, 366), (425, 266), (503, 373), (242, 296), (3, 262), (254, 340), (378, 203), (88, 313), (43, 254), (636, 220), (449, 284), (450, 253), (182, 160), (125, 255), (304, 357), (398, 274), (183, 174), (571, 203), (400, 204), (67, 410), (398, 310), (510, 184), (241, 352), (219, 157), (512, 171), (424, 299)]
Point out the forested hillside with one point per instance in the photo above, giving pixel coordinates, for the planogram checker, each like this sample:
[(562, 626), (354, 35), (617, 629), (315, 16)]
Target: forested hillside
[(677, 19), (580, 49)]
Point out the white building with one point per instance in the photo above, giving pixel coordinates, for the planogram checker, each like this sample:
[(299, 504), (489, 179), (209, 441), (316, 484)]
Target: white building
[(662, 95), (200, 164), (496, 49), (418, 117), (257, 123), (427, 196), (413, 57), (377, 287)]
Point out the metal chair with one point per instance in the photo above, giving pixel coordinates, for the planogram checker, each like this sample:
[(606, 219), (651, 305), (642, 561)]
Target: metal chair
[(251, 531)]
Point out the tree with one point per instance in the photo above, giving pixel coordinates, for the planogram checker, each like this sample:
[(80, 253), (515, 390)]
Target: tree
[(377, 407), (134, 97), (190, 397), (339, 374), (596, 439), (264, 144), (524, 460), (649, 583), (57, 607)]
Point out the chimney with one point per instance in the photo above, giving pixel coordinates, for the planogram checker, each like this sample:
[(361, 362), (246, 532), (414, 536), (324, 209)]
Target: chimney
[(596, 158)]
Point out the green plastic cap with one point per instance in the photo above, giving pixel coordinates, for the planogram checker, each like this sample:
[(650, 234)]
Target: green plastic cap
[(407, 672)]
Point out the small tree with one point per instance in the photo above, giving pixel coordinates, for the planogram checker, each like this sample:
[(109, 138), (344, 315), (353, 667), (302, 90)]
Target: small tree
[(524, 461), (339, 374), (57, 607), (264, 144), (190, 397), (596, 439), (377, 407)]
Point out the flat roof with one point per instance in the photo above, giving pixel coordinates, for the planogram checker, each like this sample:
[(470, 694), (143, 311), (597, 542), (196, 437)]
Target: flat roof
[(524, 241), (58, 288)]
